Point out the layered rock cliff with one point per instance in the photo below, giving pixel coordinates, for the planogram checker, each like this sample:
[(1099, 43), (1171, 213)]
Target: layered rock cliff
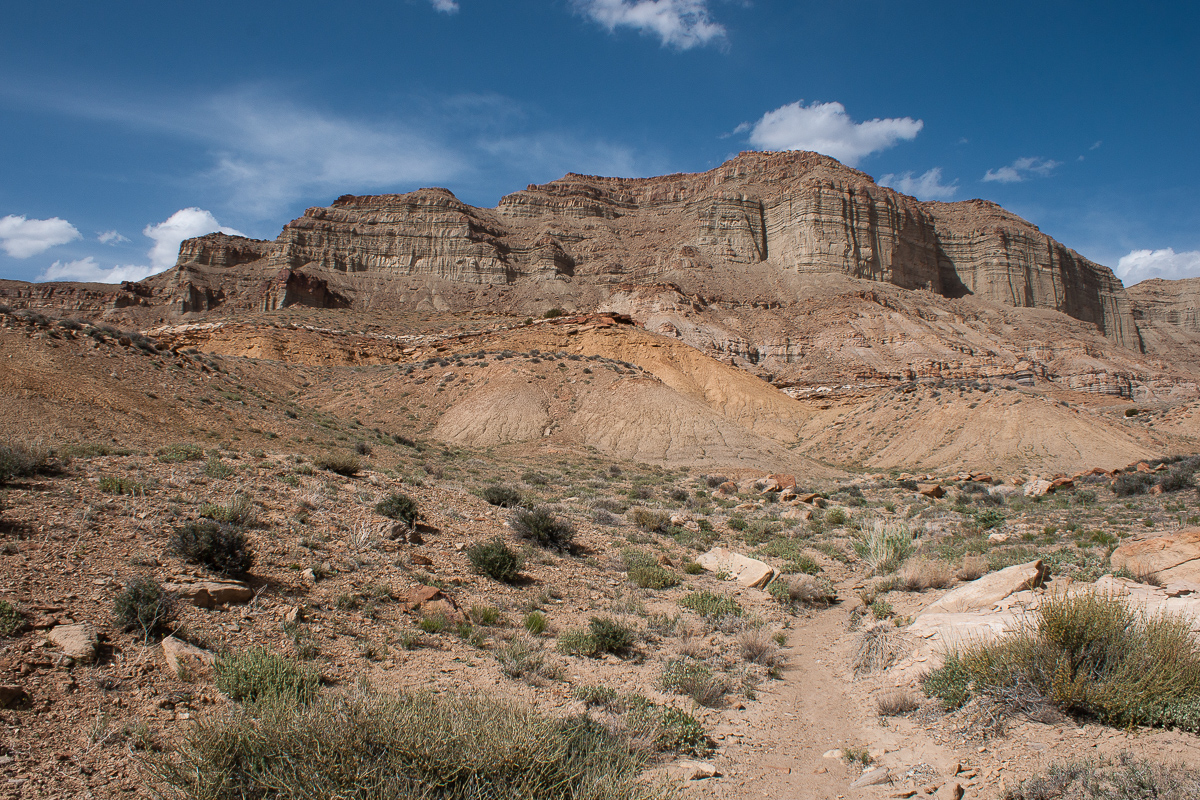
[(757, 218)]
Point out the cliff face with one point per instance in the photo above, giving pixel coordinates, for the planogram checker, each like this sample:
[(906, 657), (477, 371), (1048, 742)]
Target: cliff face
[(762, 214), (1158, 302)]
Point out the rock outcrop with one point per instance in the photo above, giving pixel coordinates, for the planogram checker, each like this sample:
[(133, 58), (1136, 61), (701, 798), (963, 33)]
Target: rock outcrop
[(761, 219)]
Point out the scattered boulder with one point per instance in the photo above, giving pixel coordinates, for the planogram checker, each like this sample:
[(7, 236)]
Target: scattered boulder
[(1061, 483), (935, 492), (419, 560), (784, 482), (401, 532), (985, 592), (797, 513), (1036, 487), (186, 660), (1174, 557), (874, 777), (430, 599), (78, 641), (693, 770), (727, 489), (745, 570), (811, 498), (951, 791), (210, 594)]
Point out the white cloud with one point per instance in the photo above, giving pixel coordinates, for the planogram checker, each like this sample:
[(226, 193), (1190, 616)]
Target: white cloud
[(682, 24), (87, 270), (1021, 169), (110, 237), (1141, 265), (927, 186), (183, 224), (828, 129), (445, 6), (22, 238)]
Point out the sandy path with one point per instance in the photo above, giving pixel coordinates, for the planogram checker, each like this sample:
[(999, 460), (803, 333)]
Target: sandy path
[(776, 750)]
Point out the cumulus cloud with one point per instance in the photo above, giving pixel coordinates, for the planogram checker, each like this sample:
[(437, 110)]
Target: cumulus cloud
[(927, 186), (183, 224), (1022, 169), (87, 270), (445, 6), (682, 24), (1141, 265), (22, 238), (110, 237), (828, 129)]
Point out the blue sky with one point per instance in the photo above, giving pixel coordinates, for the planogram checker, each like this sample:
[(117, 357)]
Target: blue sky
[(130, 125)]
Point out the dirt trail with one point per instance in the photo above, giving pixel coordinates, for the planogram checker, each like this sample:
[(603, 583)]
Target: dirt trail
[(778, 751)]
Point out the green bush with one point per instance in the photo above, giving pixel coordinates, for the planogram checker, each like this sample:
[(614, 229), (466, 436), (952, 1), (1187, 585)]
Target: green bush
[(238, 511), (216, 468), (543, 528), (495, 559), (802, 564), (262, 674), (651, 520), (218, 546), (708, 604), (535, 623), (836, 516), (652, 577), (1131, 483), (989, 518), (145, 606), (738, 523), (671, 729), (412, 745), (692, 568), (603, 635), (178, 453), (688, 676), (1088, 655), (111, 484), (502, 496), (399, 507), (341, 463), (12, 621), (594, 695), (884, 546), (23, 461)]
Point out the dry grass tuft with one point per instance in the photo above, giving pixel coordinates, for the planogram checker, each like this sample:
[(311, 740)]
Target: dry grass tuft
[(919, 574), (973, 568), (895, 702), (878, 648)]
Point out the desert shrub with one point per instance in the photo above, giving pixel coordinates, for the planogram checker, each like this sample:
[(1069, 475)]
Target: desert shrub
[(738, 523), (1125, 777), (12, 621), (535, 478), (758, 647), (341, 463), (652, 576), (989, 518), (692, 568), (520, 658), (362, 448), (379, 747), (649, 519), (1131, 483), (262, 674), (669, 729), (802, 589), (896, 702), (495, 559), (594, 695), (178, 453), (709, 604), (878, 648), (694, 678), (1088, 655), (216, 468), (145, 606), (973, 568), (543, 528), (238, 511), (919, 574), (1178, 478), (802, 564), (399, 507), (113, 484), (503, 496), (218, 546), (535, 622), (19, 460), (884, 546), (603, 635), (836, 516)]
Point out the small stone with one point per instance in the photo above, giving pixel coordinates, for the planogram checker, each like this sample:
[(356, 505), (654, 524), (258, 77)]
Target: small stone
[(77, 641), (186, 660), (694, 770), (420, 560), (951, 791), (873, 778)]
